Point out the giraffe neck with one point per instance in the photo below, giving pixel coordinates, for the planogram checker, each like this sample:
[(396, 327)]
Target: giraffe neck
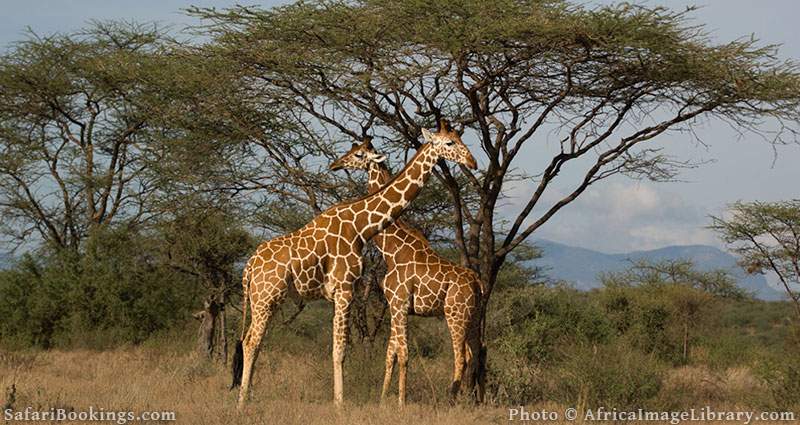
[(388, 202), (398, 233), (378, 176)]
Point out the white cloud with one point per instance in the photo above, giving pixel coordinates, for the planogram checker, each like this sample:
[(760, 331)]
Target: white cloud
[(625, 216)]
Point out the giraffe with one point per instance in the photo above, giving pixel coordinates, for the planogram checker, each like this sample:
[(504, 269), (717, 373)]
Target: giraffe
[(323, 259), (419, 281)]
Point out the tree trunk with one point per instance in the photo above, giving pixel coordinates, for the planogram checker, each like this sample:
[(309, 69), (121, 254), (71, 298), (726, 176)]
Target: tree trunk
[(223, 332), (489, 271), (208, 326)]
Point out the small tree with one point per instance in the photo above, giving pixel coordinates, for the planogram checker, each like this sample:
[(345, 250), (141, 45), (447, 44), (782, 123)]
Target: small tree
[(680, 271), (673, 299), (206, 242), (766, 235)]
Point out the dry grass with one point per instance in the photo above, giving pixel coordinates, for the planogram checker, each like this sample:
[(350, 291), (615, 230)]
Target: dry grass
[(732, 386), (288, 389)]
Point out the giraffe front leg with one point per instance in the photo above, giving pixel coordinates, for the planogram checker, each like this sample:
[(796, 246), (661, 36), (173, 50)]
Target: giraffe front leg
[(391, 351), (389, 369), (401, 343), (341, 327)]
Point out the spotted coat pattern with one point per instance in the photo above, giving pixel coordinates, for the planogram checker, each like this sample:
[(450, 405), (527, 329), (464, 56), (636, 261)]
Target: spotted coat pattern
[(420, 282), (323, 258)]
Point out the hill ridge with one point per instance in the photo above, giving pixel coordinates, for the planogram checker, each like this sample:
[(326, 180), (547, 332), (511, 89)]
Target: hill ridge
[(559, 261)]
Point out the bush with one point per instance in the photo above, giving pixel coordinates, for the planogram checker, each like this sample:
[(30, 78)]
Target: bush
[(32, 305), (109, 294), (513, 380), (533, 323), (611, 376), (531, 330), (782, 379)]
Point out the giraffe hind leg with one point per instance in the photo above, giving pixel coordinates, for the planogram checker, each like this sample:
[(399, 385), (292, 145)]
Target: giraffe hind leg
[(261, 314), (460, 352), (473, 351), (475, 357)]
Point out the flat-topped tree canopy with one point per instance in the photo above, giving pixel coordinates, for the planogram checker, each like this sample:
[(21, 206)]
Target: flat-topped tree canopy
[(74, 145), (605, 80)]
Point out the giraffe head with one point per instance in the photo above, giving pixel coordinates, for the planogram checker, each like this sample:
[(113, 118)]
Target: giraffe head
[(359, 157), (446, 144)]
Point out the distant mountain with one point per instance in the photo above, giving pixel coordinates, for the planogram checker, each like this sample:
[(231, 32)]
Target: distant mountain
[(581, 266)]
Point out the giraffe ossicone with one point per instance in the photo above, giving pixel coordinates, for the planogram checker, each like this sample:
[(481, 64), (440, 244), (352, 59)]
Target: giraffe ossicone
[(323, 258), (419, 281)]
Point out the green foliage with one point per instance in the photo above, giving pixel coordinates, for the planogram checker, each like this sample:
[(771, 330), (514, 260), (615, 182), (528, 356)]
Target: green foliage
[(204, 240), (610, 376), (533, 322), (517, 272), (719, 283), (114, 293), (782, 379), (614, 346), (767, 238), (31, 304), (662, 308)]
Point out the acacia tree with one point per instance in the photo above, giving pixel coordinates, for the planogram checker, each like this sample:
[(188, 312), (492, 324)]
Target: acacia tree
[(718, 282), (687, 292), (503, 74), (603, 82), (74, 143), (203, 240), (766, 235)]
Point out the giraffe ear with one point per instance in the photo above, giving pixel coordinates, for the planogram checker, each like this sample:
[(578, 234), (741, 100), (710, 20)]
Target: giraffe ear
[(378, 158), (427, 135)]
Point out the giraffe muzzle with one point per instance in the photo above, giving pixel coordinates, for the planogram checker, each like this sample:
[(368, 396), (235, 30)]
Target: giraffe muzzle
[(471, 163)]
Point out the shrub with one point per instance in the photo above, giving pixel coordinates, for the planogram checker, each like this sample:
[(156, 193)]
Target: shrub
[(533, 322), (611, 376), (782, 379), (109, 294), (32, 305), (532, 329)]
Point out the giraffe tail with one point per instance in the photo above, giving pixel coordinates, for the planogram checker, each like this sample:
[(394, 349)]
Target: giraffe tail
[(238, 355)]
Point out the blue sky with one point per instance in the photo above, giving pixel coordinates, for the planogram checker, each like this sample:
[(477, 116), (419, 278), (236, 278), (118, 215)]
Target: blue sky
[(616, 216)]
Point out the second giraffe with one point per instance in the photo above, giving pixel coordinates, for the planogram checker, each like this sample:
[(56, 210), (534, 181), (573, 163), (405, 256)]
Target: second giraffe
[(419, 281), (323, 259)]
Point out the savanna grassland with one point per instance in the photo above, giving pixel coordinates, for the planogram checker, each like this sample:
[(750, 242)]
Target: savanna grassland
[(737, 363), (141, 165)]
